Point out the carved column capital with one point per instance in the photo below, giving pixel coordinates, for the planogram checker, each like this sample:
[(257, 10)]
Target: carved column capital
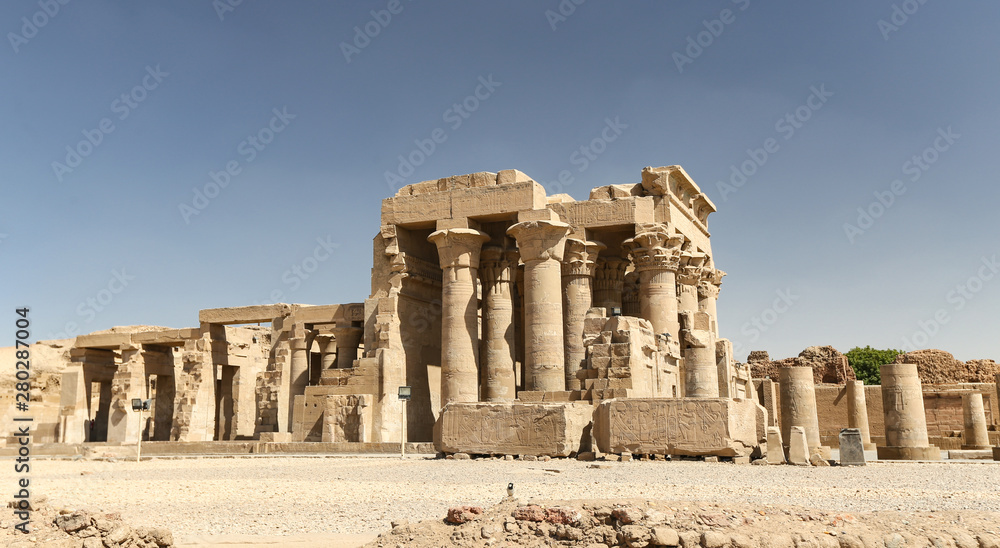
[(654, 247), (580, 258), (610, 273), (690, 270), (540, 240), (495, 266), (458, 247)]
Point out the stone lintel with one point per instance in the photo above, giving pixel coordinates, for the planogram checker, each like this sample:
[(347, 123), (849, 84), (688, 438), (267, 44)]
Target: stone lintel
[(244, 314)]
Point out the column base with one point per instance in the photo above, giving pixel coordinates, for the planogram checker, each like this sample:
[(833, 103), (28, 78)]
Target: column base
[(909, 453), (996, 453), (870, 446)]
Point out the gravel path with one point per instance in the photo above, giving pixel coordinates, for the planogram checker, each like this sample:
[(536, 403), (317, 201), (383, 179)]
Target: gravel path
[(284, 495)]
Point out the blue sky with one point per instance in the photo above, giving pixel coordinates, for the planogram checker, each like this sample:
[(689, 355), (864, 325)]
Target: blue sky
[(121, 118)]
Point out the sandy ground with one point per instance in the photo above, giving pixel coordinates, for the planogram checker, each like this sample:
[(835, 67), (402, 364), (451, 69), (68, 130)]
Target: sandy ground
[(346, 501)]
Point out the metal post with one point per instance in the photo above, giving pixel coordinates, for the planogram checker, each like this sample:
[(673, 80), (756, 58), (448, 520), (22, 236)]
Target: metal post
[(402, 422), (138, 449)]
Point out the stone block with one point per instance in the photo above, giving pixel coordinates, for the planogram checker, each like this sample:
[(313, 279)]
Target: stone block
[(798, 448), (509, 176), (553, 429), (676, 426), (775, 450), (852, 448)]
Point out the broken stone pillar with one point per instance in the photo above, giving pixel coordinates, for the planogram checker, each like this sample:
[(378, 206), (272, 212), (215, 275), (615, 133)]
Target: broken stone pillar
[(608, 279), (775, 449), (497, 354), (974, 417), (577, 273), (129, 383), (541, 244), (701, 372), (194, 419), (298, 368), (852, 449), (708, 294), (655, 252), (347, 339), (905, 422), (798, 406), (73, 405), (857, 412), (798, 447), (458, 253)]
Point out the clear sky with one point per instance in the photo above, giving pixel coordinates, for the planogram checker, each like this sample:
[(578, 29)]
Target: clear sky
[(158, 158)]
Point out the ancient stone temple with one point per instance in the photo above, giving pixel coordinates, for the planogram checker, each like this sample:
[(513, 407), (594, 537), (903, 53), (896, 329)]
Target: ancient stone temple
[(523, 324)]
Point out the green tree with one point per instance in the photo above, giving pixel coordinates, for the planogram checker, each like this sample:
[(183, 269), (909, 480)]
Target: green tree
[(867, 361)]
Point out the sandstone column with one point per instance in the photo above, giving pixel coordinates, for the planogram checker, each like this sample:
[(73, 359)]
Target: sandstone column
[(701, 370), (688, 276), (630, 295), (974, 416), (655, 252), (608, 278), (857, 412), (496, 266), (129, 382), (577, 273), (798, 405), (458, 253), (708, 294), (328, 349), (905, 422), (347, 339), (542, 244), (298, 369)]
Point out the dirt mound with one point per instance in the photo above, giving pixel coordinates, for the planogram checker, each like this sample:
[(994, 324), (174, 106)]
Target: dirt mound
[(690, 525), (829, 365), (73, 528), (940, 367)]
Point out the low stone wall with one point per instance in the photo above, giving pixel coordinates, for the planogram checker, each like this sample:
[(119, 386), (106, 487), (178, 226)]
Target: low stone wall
[(942, 407)]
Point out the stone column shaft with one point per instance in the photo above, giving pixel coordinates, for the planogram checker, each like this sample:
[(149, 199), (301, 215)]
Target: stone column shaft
[(857, 411), (497, 355), (974, 417), (298, 370), (542, 244), (798, 404), (905, 422), (655, 251), (577, 272), (347, 339), (608, 279), (458, 252)]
